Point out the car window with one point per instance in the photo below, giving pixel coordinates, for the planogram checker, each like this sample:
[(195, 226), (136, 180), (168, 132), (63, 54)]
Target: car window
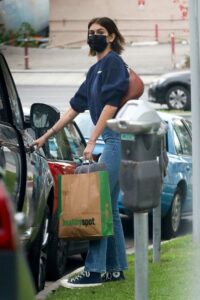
[(76, 144), (12, 94), (177, 144), (58, 147), (65, 145), (10, 161), (189, 124), (182, 138)]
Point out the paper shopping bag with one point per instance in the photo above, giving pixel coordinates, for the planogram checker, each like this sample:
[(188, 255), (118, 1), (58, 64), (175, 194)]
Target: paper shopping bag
[(84, 206)]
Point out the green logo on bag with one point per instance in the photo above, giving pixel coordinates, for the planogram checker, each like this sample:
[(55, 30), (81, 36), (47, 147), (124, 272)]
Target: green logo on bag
[(79, 222)]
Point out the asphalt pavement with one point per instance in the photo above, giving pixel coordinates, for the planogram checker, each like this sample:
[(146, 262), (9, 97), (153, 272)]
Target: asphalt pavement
[(68, 66)]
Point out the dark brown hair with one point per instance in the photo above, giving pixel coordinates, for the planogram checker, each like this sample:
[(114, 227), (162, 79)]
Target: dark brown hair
[(111, 27)]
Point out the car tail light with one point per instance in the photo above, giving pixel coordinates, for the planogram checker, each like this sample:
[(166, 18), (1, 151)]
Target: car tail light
[(7, 230)]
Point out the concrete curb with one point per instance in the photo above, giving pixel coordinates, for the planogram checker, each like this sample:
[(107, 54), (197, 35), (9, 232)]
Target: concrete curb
[(58, 77), (55, 285), (46, 79), (50, 71), (73, 71)]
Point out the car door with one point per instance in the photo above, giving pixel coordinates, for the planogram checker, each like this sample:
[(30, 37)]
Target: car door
[(26, 175), (12, 156), (23, 169)]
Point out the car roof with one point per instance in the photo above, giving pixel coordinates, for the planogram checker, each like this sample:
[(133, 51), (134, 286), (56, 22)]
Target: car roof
[(176, 73), (168, 117), (163, 115)]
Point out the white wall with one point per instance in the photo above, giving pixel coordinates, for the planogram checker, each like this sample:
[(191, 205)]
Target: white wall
[(69, 18)]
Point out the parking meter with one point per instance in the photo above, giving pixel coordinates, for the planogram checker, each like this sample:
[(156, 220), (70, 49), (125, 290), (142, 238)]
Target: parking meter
[(142, 168), (142, 136)]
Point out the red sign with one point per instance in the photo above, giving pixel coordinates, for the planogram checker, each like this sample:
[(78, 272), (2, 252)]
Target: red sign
[(141, 2)]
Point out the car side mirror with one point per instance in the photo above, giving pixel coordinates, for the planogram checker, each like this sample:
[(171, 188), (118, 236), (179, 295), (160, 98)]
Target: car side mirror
[(43, 116)]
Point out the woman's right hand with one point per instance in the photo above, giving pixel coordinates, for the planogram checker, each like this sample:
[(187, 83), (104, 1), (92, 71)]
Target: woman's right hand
[(40, 142)]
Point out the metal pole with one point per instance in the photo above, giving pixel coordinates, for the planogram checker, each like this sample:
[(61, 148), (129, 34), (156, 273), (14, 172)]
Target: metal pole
[(141, 255), (173, 50), (194, 14), (156, 233), (26, 58), (156, 33), (12, 39)]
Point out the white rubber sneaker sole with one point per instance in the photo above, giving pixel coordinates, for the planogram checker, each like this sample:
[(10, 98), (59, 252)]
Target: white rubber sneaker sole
[(65, 283)]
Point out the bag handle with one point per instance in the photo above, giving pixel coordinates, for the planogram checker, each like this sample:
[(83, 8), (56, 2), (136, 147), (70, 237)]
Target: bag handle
[(85, 162)]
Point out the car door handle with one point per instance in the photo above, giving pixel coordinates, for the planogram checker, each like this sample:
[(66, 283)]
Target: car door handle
[(188, 168), (30, 149)]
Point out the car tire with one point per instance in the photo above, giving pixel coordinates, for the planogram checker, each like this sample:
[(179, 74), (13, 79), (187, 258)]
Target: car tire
[(172, 221), (57, 257), (178, 98), (38, 254)]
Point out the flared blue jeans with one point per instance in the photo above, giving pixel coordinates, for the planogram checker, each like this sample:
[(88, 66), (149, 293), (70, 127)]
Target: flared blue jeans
[(109, 254)]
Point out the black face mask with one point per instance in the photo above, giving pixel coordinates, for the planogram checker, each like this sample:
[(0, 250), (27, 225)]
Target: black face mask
[(97, 43)]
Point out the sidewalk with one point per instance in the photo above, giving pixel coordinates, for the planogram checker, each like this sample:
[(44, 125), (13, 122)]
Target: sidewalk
[(58, 78), (68, 66)]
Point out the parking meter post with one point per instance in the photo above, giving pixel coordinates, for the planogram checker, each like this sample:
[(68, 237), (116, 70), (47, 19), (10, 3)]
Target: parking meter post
[(141, 255), (156, 233)]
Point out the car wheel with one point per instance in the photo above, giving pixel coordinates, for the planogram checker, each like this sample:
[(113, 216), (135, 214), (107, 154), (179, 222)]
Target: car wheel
[(38, 254), (171, 223), (178, 97), (57, 257)]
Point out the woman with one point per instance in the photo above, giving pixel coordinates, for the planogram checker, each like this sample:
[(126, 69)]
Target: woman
[(101, 93)]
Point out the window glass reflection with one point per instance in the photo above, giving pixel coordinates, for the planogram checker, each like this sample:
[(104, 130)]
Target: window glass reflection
[(183, 137), (65, 145)]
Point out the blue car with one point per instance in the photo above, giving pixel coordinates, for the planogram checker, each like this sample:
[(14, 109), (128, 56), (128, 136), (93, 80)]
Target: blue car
[(176, 196)]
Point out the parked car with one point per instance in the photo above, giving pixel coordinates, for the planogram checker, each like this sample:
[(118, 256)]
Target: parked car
[(26, 176), (15, 278), (172, 89), (176, 197), (63, 152)]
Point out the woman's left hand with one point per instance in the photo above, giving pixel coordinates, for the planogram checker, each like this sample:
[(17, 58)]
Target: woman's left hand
[(87, 153)]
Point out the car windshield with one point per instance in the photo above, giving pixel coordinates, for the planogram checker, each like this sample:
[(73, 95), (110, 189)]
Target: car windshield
[(65, 145)]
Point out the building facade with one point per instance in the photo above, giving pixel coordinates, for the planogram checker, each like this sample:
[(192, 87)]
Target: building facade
[(138, 20)]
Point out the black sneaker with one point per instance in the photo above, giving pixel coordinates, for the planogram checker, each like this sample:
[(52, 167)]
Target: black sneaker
[(84, 279), (112, 276)]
